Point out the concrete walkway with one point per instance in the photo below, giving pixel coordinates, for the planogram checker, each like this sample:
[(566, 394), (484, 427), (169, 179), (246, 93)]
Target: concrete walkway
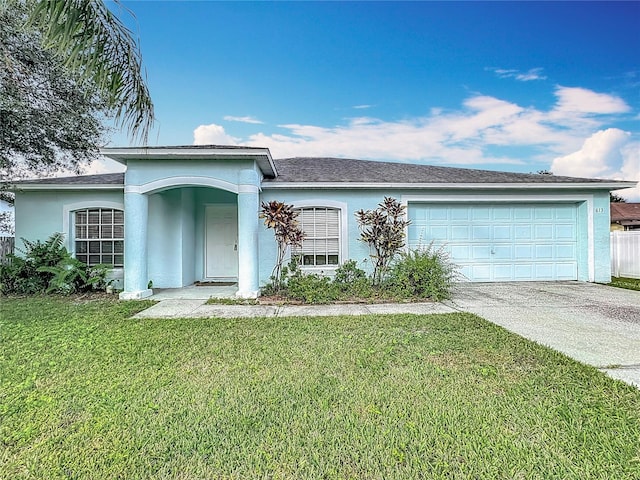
[(594, 324)]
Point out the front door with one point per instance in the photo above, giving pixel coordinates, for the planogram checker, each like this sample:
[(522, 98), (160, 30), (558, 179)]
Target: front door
[(221, 242)]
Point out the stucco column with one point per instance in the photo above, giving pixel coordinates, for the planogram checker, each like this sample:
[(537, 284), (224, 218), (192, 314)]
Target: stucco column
[(248, 223), (136, 213)]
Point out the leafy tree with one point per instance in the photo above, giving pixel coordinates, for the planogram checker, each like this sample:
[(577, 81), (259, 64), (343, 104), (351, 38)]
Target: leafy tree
[(48, 120), (384, 230), (66, 66), (282, 219), (614, 198), (95, 44)]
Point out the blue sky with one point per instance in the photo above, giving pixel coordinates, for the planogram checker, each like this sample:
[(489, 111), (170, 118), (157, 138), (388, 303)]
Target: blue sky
[(509, 86)]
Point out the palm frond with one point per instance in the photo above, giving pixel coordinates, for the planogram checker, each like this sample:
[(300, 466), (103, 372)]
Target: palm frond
[(97, 46)]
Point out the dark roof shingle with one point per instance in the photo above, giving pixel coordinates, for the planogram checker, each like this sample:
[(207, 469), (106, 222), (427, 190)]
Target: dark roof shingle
[(625, 212), (308, 170), (342, 170)]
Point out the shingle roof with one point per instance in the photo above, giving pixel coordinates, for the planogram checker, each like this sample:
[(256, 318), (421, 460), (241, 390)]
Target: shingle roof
[(308, 170), (341, 170), (102, 179), (621, 212)]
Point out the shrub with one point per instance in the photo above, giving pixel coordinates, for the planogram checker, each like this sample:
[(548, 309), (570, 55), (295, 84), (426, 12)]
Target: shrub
[(308, 287), (422, 273), (282, 219), (383, 229), (352, 281), (48, 267)]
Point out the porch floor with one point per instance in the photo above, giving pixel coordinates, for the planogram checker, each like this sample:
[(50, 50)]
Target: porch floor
[(193, 292)]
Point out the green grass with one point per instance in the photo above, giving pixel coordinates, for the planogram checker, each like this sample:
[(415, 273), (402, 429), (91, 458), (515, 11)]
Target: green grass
[(628, 283), (86, 392)]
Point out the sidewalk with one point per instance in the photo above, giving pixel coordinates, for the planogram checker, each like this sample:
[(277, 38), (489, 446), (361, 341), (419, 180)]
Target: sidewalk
[(196, 308)]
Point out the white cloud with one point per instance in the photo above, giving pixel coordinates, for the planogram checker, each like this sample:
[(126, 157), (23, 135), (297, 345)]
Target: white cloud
[(575, 100), (101, 165), (362, 107), (609, 153), (484, 130), (246, 119), (212, 134), (531, 74)]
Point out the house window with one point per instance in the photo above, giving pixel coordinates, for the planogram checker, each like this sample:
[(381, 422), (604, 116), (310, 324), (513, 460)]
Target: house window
[(99, 236), (321, 245)]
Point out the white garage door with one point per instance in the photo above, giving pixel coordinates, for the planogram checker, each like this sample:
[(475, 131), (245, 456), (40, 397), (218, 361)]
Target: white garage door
[(494, 243)]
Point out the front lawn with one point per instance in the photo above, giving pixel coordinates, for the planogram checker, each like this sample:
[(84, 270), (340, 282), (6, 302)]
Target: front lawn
[(87, 392)]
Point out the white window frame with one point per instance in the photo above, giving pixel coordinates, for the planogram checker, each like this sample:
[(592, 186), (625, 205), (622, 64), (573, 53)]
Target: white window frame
[(102, 240), (68, 223), (343, 240)]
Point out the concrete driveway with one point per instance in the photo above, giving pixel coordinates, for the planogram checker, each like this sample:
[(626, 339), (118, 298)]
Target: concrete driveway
[(595, 324)]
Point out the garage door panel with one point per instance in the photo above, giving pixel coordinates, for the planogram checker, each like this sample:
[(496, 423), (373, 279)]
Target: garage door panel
[(481, 213), (460, 232), (480, 252), (564, 252), (481, 232), (566, 271), (522, 213), (502, 252), (543, 232), (481, 273), (460, 214), (523, 272), (566, 212), (544, 252), (503, 272), (565, 231), (502, 232), (543, 213), (522, 232), (523, 251), (436, 214), (544, 271), (501, 242), (461, 253), (436, 232)]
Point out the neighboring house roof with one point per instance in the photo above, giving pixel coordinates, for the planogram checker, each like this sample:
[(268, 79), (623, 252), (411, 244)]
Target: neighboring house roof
[(626, 214), (348, 173)]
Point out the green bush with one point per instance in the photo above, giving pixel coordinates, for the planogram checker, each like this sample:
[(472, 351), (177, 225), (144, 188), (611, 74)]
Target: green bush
[(308, 287), (422, 273), (352, 281), (47, 267)]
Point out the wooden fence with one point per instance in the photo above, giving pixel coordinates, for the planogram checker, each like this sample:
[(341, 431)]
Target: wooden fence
[(625, 254), (7, 245)]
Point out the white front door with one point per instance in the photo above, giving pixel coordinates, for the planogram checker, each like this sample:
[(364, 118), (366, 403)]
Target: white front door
[(221, 242)]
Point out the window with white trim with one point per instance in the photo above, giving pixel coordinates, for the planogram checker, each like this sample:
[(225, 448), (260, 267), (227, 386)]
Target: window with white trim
[(321, 244), (99, 236)]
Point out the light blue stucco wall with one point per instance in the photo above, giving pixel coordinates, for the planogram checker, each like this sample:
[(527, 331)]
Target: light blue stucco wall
[(141, 172), (39, 214), (592, 208), (177, 228)]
